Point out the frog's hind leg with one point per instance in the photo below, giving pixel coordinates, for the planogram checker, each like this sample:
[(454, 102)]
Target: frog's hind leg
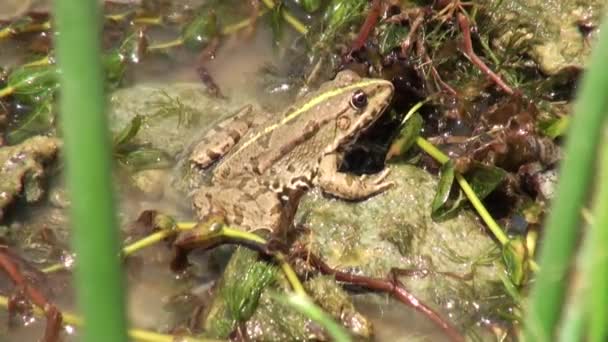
[(245, 204), (219, 140)]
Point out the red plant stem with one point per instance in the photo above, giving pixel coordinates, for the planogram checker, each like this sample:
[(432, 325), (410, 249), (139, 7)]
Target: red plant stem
[(463, 22), (207, 54), (394, 287), (407, 42), (421, 50), (53, 316), (368, 25)]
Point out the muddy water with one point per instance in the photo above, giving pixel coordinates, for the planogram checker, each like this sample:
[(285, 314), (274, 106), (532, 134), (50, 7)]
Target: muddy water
[(151, 286), (233, 67)]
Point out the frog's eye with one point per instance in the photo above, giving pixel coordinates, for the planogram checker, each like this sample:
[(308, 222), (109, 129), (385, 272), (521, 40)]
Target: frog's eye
[(359, 99)]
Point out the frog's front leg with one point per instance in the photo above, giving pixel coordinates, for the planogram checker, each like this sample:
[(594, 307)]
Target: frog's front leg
[(219, 140), (349, 186)]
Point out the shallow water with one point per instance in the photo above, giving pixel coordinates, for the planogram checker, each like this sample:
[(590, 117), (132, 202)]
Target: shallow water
[(233, 69)]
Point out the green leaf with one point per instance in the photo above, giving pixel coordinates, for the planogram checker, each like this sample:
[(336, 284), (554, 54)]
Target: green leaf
[(406, 138), (482, 178), (340, 13), (443, 205), (34, 80), (200, 31), (114, 66), (515, 256), (390, 36), (20, 24), (147, 158), (128, 133), (555, 127), (38, 121)]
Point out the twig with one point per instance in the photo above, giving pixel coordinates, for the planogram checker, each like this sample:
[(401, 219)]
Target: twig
[(421, 49), (53, 316), (414, 26), (467, 50), (213, 233), (368, 25), (204, 76), (392, 286)]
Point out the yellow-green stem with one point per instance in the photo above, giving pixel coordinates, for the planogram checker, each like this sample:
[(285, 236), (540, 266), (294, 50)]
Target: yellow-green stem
[(230, 29), (148, 21), (137, 245), (167, 45), (46, 60), (466, 188), (6, 91), (136, 334), (290, 274), (227, 232)]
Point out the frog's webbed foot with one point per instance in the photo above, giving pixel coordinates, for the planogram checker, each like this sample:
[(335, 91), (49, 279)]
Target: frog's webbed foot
[(349, 186)]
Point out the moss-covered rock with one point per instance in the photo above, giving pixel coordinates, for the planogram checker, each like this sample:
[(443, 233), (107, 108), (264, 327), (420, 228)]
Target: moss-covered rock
[(552, 31), (455, 264)]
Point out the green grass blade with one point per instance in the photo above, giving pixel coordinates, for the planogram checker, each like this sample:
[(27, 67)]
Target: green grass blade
[(562, 227), (87, 150), (305, 306), (596, 274)]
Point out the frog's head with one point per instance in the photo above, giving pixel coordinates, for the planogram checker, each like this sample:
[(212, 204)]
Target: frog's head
[(359, 103)]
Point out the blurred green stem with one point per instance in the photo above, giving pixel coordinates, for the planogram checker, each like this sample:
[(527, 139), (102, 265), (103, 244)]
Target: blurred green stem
[(99, 280), (596, 274), (562, 226)]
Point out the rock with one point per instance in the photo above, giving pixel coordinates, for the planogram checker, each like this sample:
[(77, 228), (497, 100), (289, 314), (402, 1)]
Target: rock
[(22, 168), (151, 182), (552, 32), (454, 267), (174, 117), (457, 265)]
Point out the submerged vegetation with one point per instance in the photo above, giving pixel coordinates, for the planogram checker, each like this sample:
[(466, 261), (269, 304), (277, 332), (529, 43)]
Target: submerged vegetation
[(473, 134)]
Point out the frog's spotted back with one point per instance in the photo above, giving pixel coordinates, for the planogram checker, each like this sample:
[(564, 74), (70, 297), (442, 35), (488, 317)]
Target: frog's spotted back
[(274, 162)]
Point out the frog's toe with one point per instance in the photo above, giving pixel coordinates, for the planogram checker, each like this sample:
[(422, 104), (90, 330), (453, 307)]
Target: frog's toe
[(382, 186), (381, 177)]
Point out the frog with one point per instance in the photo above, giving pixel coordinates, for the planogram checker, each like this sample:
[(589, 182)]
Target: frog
[(263, 163)]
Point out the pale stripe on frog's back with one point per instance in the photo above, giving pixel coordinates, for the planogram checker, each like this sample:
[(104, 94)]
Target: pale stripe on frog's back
[(260, 149), (259, 182)]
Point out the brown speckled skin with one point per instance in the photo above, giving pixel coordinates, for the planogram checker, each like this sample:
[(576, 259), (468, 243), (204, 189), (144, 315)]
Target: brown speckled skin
[(265, 166)]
